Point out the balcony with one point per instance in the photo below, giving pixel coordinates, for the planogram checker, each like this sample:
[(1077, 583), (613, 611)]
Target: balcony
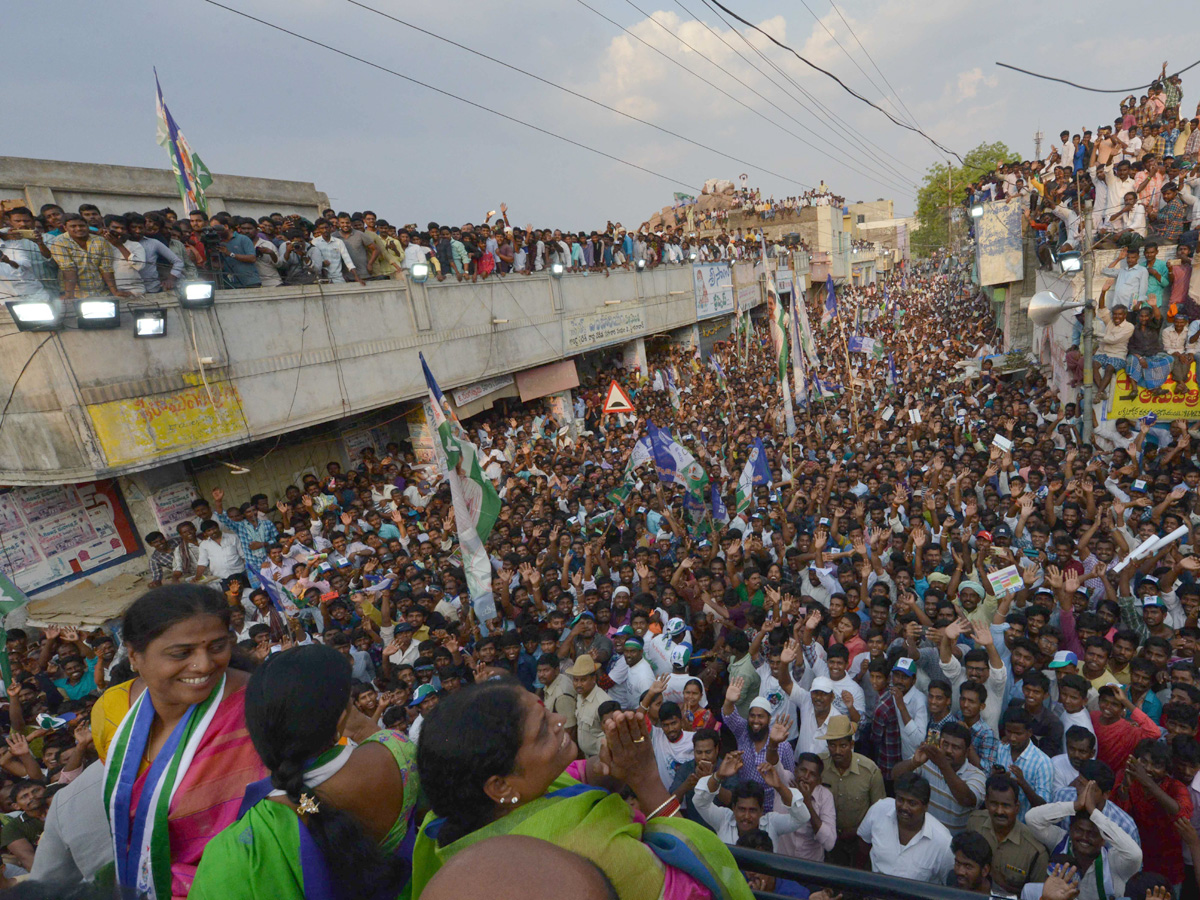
[(259, 363)]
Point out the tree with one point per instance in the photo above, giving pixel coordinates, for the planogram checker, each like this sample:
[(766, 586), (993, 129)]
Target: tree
[(938, 196)]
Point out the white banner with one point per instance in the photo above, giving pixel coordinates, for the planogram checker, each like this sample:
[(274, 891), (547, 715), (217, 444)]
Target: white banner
[(714, 289)]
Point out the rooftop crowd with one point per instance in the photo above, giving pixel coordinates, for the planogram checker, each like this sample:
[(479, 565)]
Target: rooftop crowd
[(1136, 178), (56, 254), (912, 648)]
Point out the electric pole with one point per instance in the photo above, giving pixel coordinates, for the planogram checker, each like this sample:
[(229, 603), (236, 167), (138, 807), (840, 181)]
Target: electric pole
[(1037, 145)]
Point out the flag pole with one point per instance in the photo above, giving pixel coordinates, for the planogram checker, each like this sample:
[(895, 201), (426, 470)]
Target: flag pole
[(849, 377)]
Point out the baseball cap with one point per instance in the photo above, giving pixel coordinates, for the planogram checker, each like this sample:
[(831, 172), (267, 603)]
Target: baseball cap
[(675, 626), (1153, 600), (904, 664), (681, 655), (822, 684), (422, 693), (1064, 658)]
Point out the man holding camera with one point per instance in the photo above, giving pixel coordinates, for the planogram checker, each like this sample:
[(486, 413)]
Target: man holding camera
[(235, 252)]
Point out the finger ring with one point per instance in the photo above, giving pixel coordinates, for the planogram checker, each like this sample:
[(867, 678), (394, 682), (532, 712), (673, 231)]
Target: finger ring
[(638, 740)]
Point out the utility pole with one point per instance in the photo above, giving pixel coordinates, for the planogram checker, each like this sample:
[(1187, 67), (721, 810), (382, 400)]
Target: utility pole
[(949, 209), (1037, 144)]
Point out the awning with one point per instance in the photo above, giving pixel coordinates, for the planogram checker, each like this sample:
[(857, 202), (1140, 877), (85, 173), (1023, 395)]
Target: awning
[(549, 379), (87, 604)]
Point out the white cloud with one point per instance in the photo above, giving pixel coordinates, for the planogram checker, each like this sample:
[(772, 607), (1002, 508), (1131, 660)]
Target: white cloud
[(970, 81)]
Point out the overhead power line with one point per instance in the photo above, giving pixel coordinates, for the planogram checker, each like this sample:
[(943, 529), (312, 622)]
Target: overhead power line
[(825, 112), (849, 90), (882, 93), (895, 93), (454, 96), (567, 90), (1081, 87), (726, 93), (717, 65)]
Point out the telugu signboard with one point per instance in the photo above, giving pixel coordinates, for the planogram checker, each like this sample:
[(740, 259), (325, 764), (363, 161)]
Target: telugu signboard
[(714, 289), (473, 392), (50, 535), (1167, 406), (598, 329)]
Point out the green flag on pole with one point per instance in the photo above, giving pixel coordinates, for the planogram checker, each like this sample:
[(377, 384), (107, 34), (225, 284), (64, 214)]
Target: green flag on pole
[(12, 598)]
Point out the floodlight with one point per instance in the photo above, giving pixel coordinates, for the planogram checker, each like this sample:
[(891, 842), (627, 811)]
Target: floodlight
[(196, 295), (98, 312), (150, 323), (977, 211), (36, 315), (1071, 261), (557, 269), (692, 256), (641, 264), (419, 272)]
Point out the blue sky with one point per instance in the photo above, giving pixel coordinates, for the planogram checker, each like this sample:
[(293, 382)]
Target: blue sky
[(253, 101)]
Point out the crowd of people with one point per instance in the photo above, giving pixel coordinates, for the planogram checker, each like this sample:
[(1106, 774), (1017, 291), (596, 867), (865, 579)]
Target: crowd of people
[(913, 636), (1135, 178), (751, 200), (68, 256)]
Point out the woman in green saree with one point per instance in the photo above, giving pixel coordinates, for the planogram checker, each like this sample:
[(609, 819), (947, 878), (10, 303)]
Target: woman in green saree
[(493, 761), (332, 820)]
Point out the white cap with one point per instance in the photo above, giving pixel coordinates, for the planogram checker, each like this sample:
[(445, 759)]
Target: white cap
[(822, 684)]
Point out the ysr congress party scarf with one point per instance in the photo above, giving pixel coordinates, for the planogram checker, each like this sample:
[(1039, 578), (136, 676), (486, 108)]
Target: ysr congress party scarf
[(141, 843)]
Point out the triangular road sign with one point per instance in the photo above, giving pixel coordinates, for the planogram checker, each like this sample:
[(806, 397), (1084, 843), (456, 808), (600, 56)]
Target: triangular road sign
[(617, 400)]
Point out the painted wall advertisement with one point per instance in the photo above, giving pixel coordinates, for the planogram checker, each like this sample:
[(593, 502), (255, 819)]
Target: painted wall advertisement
[(172, 505), (50, 535), (714, 289), (596, 330)]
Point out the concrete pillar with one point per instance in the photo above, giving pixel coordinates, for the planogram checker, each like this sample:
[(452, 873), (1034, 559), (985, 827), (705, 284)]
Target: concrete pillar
[(37, 196), (635, 355)]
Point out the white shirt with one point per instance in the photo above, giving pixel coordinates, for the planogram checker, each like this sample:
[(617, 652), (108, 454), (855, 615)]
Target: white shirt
[(912, 734), (782, 820), (267, 264), (926, 857), (223, 559), (21, 281), (127, 272), (671, 755), (629, 683)]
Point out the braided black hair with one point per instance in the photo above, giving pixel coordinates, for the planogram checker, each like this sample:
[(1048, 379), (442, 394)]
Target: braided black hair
[(472, 735), (293, 704)]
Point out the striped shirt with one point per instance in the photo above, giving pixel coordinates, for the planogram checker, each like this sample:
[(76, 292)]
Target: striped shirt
[(1035, 766), (942, 804), (1120, 818)]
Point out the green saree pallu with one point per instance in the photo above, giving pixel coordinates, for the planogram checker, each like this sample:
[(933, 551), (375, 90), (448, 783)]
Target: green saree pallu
[(268, 854), (644, 860)]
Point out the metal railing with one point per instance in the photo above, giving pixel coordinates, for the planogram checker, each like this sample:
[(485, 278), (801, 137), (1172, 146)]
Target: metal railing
[(841, 879)]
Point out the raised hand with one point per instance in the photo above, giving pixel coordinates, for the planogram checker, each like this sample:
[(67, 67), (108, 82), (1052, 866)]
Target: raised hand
[(730, 765), (734, 692), (17, 744), (781, 728)]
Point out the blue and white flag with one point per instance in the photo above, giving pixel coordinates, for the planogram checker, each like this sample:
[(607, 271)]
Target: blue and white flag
[(675, 464), (799, 376), (829, 313), (755, 473), (719, 512), (893, 377), (281, 598)]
